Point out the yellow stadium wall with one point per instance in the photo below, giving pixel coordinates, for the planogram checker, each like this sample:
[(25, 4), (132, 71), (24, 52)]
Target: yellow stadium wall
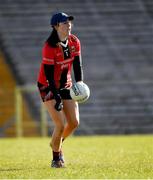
[(7, 104)]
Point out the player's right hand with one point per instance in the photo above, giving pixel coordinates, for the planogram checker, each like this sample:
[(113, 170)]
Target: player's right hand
[(59, 105)]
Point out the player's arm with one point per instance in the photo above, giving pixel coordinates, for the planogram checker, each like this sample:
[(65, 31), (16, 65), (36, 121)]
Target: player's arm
[(48, 62), (77, 68), (49, 72)]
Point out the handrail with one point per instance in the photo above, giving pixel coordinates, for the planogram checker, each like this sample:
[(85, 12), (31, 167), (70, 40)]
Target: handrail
[(18, 109)]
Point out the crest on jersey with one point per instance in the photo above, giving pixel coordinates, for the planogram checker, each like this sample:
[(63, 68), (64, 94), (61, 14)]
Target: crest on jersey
[(72, 48)]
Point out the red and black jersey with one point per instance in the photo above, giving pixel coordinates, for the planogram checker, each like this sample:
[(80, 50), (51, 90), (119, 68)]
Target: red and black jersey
[(61, 57)]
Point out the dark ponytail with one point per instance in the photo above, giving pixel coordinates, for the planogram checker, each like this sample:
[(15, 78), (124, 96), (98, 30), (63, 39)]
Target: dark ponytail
[(53, 39)]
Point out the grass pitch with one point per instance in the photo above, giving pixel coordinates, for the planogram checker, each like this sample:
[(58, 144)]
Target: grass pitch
[(90, 157)]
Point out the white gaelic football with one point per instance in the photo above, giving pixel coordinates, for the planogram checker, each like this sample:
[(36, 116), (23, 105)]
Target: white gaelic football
[(80, 92)]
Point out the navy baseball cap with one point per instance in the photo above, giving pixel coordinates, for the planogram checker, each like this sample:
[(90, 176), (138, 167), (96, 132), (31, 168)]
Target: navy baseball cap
[(60, 17)]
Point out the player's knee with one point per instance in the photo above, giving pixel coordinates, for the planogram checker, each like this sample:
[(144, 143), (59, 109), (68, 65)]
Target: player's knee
[(74, 124)]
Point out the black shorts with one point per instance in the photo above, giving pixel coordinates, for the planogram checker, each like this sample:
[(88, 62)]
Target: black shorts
[(47, 95)]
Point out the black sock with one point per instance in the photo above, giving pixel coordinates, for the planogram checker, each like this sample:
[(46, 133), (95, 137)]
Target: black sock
[(56, 156)]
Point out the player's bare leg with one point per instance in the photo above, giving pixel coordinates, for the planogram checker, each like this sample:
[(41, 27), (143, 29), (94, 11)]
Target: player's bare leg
[(58, 119), (71, 111)]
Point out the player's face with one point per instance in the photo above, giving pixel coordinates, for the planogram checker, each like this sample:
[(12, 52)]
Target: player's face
[(64, 28)]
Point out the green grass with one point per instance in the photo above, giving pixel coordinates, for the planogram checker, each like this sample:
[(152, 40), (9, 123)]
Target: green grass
[(86, 157)]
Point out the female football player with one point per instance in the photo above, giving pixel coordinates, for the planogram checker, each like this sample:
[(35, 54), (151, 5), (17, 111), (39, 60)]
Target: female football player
[(61, 51)]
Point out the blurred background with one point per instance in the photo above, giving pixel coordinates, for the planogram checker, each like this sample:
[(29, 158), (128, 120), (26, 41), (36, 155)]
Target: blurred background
[(117, 53)]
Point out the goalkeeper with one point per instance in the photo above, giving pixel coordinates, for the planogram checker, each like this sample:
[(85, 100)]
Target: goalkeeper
[(60, 52)]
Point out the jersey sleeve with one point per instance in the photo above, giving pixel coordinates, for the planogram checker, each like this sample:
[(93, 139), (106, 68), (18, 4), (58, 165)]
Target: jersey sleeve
[(76, 43), (47, 55), (77, 67), (78, 48), (49, 72)]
